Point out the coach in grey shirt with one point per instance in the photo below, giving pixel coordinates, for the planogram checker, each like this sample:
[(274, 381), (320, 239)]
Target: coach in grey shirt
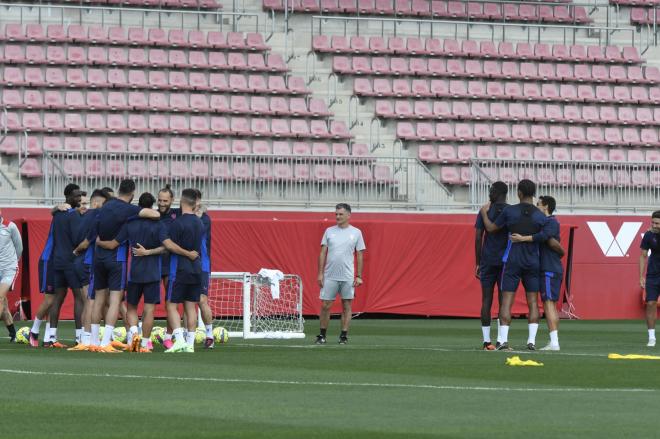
[(336, 273)]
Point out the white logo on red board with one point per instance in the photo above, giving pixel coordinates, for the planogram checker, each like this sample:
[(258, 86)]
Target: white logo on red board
[(610, 245)]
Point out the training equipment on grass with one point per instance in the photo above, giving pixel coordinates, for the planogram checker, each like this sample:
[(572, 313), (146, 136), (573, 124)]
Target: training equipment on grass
[(516, 361), (220, 335), (632, 357), (23, 335), (244, 304), (119, 334), (200, 335), (101, 332), (157, 335)]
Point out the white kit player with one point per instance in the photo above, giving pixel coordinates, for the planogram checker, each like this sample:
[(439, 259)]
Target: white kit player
[(336, 271), (11, 247)]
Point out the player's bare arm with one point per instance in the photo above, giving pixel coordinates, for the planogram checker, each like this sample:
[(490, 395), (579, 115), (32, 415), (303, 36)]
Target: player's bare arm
[(360, 263), (139, 250), (81, 247), (149, 214), (62, 207), (643, 257), (488, 224), (172, 247), (322, 256)]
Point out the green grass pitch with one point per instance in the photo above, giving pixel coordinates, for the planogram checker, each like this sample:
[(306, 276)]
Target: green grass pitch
[(396, 379)]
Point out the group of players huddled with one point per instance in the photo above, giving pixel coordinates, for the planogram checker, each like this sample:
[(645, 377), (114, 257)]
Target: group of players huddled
[(89, 246), (516, 243)]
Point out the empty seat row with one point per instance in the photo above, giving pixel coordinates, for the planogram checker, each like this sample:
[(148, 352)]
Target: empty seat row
[(140, 57), (440, 9), (474, 49), (218, 170), (644, 3), (157, 101), (464, 153), (639, 16), (500, 90), (479, 110), (604, 177), (472, 68), (153, 79), (176, 124), (135, 36), (156, 4), (524, 133), (36, 145)]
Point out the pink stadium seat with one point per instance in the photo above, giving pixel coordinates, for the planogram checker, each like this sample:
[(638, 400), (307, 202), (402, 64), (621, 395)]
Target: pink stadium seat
[(115, 144), (635, 156), (450, 175), (579, 155)]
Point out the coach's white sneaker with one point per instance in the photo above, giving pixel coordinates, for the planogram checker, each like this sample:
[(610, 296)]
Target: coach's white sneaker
[(550, 347), (651, 343)]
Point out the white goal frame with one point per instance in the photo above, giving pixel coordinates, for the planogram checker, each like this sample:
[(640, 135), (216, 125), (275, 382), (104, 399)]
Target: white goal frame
[(249, 300)]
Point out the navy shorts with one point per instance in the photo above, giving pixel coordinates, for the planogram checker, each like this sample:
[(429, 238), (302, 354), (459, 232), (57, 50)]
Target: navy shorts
[(206, 279), (512, 274), (82, 270), (91, 291), (110, 275), (550, 286), (46, 277), (489, 275), (178, 292), (150, 291), (66, 278), (652, 289)]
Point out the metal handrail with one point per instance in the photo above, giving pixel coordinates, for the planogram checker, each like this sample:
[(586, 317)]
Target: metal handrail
[(603, 30), (234, 16), (310, 77), (332, 91), (353, 118), (374, 145)]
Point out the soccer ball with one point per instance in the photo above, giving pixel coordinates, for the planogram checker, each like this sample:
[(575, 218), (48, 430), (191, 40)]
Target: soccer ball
[(23, 335), (157, 335), (220, 335), (119, 334), (200, 335)]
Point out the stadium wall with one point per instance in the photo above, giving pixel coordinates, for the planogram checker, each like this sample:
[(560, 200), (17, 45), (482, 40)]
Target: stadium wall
[(415, 264)]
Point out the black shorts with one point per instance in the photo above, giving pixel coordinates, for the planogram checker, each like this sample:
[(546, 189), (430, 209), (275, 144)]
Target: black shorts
[(110, 275), (82, 270), (178, 292), (652, 289), (67, 278), (206, 279), (150, 291), (489, 275), (512, 274), (550, 286), (46, 277)]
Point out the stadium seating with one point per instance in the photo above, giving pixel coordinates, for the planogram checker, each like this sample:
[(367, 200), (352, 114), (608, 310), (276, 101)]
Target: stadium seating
[(440, 10), (155, 4)]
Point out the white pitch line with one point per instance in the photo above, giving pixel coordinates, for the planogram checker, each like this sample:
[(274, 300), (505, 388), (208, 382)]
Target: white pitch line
[(328, 383)]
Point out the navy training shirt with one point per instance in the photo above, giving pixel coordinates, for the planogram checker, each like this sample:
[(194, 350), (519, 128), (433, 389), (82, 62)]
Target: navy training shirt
[(47, 252), (187, 232), (145, 232), (205, 254), (650, 241), (88, 231), (65, 230), (494, 244), (550, 259), (525, 219), (111, 218), (167, 219)]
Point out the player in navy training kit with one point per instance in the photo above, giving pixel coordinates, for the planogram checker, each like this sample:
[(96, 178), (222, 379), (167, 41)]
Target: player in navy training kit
[(143, 237), (110, 265), (184, 241), (551, 268), (521, 260), (651, 282), (489, 250), (205, 256), (65, 229), (46, 280)]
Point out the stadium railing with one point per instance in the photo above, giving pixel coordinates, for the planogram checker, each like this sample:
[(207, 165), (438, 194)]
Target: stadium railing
[(256, 180), (577, 185)]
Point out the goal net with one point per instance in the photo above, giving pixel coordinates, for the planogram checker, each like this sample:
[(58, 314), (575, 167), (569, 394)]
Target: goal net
[(244, 304)]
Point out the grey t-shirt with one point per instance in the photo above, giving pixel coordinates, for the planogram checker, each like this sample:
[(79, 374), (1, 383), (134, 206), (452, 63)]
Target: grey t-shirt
[(341, 243), (11, 245)]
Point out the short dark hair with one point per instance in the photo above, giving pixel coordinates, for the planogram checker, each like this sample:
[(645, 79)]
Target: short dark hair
[(146, 201), (70, 188), (167, 189), (527, 188), (189, 197), (345, 206), (100, 193), (655, 214), (108, 190), (548, 202), (126, 187), (199, 194), (498, 189)]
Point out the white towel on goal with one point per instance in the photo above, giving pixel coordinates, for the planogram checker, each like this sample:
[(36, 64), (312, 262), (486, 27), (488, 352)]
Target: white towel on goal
[(274, 277)]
